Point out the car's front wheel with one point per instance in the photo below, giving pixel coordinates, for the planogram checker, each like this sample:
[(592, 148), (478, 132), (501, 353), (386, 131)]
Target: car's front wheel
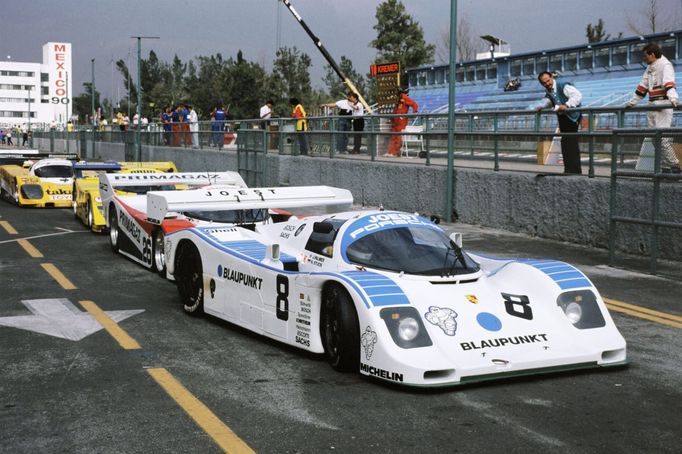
[(190, 279), (91, 219), (158, 252), (113, 229), (340, 330)]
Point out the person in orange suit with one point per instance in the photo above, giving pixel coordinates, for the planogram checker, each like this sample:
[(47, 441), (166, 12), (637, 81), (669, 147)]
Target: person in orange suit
[(398, 124)]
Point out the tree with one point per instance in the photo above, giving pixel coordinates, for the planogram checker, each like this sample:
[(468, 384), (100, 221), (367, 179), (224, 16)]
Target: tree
[(335, 86), (400, 37), (596, 33), (655, 20), (82, 104), (468, 42), (290, 77)]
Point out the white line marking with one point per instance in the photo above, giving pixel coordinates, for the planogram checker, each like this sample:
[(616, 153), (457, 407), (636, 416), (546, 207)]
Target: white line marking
[(42, 236)]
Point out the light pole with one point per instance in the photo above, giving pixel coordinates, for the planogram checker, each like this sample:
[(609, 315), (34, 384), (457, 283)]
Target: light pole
[(29, 109), (451, 107), (92, 91), (138, 137)]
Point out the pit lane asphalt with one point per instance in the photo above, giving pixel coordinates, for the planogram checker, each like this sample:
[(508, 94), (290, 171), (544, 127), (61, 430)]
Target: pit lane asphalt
[(89, 396)]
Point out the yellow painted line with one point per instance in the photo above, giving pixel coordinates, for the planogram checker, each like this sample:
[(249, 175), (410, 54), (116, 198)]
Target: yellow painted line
[(111, 326), (8, 227), (227, 440), (636, 313), (30, 249), (58, 276), (675, 318)]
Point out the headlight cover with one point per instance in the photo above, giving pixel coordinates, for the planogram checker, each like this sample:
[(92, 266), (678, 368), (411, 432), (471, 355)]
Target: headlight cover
[(581, 309), (31, 191), (406, 327)]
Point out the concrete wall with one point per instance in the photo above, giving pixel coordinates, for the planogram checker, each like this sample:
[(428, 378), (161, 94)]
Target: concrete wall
[(567, 208)]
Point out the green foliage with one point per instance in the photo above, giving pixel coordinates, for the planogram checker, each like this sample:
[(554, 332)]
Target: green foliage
[(596, 33), (82, 104), (400, 37), (290, 79), (335, 86)]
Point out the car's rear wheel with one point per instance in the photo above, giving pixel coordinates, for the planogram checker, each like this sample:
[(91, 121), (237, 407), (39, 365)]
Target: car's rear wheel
[(158, 252), (190, 279), (113, 229), (91, 219), (340, 330)]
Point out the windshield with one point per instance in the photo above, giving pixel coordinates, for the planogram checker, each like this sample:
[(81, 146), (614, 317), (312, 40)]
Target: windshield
[(54, 172), (413, 250), (230, 216)]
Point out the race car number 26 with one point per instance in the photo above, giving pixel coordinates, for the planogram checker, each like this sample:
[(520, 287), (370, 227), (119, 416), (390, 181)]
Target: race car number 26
[(282, 302)]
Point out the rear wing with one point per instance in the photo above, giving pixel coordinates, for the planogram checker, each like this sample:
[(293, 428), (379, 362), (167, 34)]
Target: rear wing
[(108, 182), (141, 167), (106, 166), (26, 157), (159, 203)]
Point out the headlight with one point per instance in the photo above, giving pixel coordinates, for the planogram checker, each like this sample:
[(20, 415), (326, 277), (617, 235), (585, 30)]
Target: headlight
[(406, 327), (32, 191), (581, 309), (573, 312)]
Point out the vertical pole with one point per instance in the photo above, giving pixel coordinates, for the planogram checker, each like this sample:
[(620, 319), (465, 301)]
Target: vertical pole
[(615, 150), (29, 110), (451, 109), (92, 91), (139, 100)]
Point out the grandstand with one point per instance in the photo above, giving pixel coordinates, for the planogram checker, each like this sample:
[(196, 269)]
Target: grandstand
[(606, 73)]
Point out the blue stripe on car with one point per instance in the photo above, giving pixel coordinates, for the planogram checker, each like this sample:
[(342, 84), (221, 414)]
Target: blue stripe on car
[(382, 291), (564, 275)]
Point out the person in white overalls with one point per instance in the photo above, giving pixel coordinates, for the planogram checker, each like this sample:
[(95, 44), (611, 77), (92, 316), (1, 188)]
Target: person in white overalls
[(659, 82)]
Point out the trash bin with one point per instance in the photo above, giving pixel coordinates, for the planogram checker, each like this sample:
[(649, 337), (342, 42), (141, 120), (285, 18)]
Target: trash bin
[(289, 138)]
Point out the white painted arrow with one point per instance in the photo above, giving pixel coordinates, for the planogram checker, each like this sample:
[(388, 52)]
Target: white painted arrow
[(59, 317)]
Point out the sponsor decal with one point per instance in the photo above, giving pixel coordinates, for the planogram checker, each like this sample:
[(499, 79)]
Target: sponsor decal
[(286, 231), (130, 225), (471, 298), (58, 191), (160, 177), (239, 277), (367, 340), (303, 322), (382, 220), (381, 373), (314, 260), (211, 286), (444, 318), (489, 321), (503, 341), (60, 197)]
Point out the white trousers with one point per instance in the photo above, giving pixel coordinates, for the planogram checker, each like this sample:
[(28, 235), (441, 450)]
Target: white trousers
[(663, 119)]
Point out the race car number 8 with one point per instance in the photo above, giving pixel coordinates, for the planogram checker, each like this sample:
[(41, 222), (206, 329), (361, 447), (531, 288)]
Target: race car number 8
[(512, 303), (282, 303)]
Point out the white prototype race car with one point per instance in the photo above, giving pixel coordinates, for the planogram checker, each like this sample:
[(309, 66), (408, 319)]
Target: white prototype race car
[(390, 295), (124, 207)]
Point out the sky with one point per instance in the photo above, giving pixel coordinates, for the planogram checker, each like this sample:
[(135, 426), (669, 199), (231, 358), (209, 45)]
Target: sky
[(102, 30)]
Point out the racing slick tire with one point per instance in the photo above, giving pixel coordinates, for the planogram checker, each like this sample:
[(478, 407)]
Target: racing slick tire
[(91, 215), (340, 330), (113, 229), (158, 253), (190, 279)]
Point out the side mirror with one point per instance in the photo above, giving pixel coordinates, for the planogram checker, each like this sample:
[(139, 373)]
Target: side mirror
[(273, 252), (456, 238), (323, 227)]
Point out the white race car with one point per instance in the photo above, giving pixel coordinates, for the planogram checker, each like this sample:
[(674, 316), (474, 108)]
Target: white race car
[(390, 295), (124, 207)]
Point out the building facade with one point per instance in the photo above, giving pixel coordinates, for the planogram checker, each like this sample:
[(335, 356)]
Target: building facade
[(37, 93)]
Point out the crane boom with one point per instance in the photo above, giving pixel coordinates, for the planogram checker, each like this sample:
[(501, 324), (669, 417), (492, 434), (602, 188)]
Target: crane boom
[(346, 81)]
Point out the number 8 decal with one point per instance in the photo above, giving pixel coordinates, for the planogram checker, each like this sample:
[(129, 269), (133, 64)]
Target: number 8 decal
[(282, 303), (512, 302)]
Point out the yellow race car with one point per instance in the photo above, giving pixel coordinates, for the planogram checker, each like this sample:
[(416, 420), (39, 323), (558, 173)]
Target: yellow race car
[(42, 183), (87, 203)]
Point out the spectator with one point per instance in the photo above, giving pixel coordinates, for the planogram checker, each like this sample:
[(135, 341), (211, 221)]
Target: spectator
[(298, 112), (564, 96), (400, 123), (126, 122), (218, 126), (24, 138), (176, 119), (8, 134), (193, 126), (166, 122), (69, 126), (343, 123), (659, 82), (119, 121), (184, 125), (358, 121), (2, 137), (266, 113)]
